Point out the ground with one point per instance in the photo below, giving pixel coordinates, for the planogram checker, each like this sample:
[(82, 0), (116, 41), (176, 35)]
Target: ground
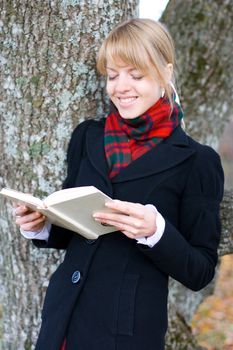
[(213, 323)]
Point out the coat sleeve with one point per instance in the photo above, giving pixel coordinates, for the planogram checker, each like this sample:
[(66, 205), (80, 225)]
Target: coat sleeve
[(59, 237), (188, 252)]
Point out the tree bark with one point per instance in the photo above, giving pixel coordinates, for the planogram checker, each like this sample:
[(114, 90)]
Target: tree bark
[(48, 84), (202, 32)]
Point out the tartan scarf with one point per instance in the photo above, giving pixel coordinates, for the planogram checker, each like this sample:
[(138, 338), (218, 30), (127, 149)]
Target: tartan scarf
[(128, 139)]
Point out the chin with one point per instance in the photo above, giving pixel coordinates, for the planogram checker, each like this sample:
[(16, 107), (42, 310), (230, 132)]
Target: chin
[(128, 115)]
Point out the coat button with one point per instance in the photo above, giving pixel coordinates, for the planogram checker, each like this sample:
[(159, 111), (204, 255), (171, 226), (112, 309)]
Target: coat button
[(76, 277)]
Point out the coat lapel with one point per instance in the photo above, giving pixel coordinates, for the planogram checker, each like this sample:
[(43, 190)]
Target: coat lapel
[(95, 149), (168, 154)]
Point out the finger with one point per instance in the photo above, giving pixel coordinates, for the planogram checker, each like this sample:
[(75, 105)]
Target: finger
[(36, 225), (128, 208), (21, 210), (21, 220), (122, 226), (118, 218)]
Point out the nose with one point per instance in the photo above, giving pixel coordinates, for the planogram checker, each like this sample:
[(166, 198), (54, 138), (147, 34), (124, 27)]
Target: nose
[(122, 84)]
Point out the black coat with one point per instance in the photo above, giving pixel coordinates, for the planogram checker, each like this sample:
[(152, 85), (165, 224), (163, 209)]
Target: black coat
[(119, 300)]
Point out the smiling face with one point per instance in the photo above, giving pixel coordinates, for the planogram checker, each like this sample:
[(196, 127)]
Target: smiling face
[(131, 91), (138, 58)]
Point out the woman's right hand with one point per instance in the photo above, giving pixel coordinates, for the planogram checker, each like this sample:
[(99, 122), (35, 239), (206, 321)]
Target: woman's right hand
[(27, 219)]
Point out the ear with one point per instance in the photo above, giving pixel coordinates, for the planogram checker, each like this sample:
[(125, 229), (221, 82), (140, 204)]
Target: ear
[(169, 71)]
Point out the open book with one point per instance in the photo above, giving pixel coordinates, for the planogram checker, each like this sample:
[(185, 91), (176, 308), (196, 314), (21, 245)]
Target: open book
[(70, 208)]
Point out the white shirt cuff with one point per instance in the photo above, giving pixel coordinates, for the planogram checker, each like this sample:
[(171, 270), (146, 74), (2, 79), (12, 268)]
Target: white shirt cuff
[(160, 223), (42, 235)]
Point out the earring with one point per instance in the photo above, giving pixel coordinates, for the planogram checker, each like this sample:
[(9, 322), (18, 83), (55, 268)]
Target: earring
[(177, 99), (162, 92)]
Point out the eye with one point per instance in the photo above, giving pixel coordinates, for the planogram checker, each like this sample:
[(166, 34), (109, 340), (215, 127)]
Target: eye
[(137, 77), (111, 77)]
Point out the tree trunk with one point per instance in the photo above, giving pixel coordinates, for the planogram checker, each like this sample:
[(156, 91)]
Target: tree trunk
[(202, 31), (48, 84)]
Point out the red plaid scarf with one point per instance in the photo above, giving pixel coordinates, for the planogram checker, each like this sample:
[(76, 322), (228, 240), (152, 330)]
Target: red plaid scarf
[(127, 139)]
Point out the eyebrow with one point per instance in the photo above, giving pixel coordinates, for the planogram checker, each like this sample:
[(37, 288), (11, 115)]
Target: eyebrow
[(130, 69)]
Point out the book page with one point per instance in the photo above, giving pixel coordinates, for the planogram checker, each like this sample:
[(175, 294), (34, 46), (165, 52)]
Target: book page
[(79, 212), (68, 194), (23, 198)]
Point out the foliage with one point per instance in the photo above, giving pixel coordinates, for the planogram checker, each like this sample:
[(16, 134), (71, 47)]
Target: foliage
[(213, 323)]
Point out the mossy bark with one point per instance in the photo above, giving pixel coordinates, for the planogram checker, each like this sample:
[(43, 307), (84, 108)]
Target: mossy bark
[(202, 32), (48, 84)]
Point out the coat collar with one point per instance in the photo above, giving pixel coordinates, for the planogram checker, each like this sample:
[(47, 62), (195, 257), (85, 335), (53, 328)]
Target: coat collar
[(168, 154)]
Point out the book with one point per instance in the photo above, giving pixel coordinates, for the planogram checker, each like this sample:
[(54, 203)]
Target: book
[(71, 208)]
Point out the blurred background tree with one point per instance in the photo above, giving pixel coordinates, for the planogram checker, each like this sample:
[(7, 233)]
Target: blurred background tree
[(49, 84), (202, 31)]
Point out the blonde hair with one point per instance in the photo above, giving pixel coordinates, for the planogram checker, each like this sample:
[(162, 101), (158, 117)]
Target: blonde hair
[(142, 43)]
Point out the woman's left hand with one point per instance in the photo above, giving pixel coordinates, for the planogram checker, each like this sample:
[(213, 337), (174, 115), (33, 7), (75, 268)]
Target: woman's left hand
[(133, 219)]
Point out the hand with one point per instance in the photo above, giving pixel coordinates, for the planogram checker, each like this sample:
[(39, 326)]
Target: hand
[(133, 219), (27, 219)]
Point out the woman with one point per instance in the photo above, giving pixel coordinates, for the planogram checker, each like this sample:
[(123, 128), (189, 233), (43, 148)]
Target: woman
[(111, 293)]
